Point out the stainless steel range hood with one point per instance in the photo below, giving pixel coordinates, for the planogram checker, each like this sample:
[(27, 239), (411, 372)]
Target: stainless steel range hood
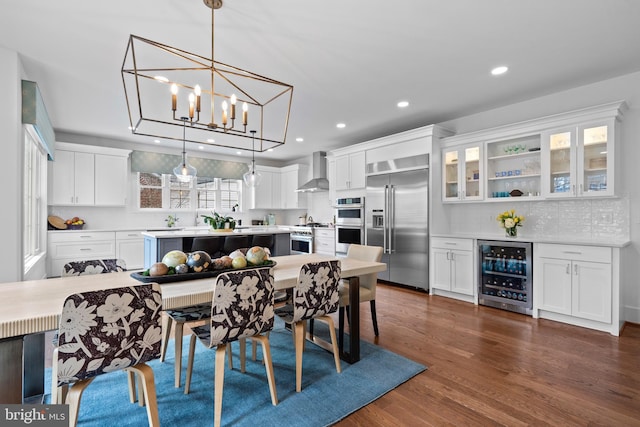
[(319, 181)]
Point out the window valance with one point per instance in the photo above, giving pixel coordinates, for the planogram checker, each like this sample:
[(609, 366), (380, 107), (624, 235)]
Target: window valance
[(146, 161)]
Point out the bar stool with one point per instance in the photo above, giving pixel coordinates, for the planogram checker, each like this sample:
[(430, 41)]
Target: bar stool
[(231, 243), (263, 240), (211, 245)]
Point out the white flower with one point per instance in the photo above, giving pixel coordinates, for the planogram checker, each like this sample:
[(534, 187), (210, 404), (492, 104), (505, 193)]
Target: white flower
[(306, 281), (117, 364), (68, 369), (76, 321), (248, 287), (509, 223), (115, 307), (224, 296)]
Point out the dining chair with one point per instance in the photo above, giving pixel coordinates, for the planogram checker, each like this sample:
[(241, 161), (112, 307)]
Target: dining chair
[(106, 331), (313, 298), (241, 308), (93, 266), (368, 284)]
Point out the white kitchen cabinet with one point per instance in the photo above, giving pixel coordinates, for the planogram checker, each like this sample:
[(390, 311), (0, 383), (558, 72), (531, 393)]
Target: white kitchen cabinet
[(451, 266), (513, 167), (83, 175), (292, 177), (110, 180), (579, 161), (67, 246), (130, 248), (350, 171), (73, 179), (463, 175), (324, 241), (575, 280), (575, 284), (267, 195)]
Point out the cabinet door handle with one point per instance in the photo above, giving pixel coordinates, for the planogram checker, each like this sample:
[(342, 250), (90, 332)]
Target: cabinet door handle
[(568, 268), (453, 256), (85, 249), (572, 252), (85, 237), (575, 269), (573, 188), (448, 259)]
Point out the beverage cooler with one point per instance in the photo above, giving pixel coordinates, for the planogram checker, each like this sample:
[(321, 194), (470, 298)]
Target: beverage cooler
[(505, 275)]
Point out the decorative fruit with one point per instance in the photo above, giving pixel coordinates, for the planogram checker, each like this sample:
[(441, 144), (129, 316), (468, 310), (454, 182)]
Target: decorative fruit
[(158, 269), (237, 253), (174, 258), (226, 261), (182, 268), (256, 255), (239, 262), (198, 261)]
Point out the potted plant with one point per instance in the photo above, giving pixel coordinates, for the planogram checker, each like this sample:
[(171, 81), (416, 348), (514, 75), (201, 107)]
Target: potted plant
[(219, 222)]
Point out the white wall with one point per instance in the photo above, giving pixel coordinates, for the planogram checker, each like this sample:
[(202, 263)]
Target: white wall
[(11, 170), (571, 218)]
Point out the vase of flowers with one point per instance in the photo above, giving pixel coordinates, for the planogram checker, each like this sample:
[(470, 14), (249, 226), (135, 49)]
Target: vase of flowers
[(510, 222)]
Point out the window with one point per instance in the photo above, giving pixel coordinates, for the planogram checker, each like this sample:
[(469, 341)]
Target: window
[(34, 209), (164, 191)]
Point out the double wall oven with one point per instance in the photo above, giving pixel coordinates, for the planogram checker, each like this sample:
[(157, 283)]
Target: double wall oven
[(349, 223)]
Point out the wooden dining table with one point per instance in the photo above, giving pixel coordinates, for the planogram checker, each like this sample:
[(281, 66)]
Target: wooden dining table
[(30, 308)]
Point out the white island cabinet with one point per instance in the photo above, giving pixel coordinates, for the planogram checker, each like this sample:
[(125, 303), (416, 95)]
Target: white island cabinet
[(578, 285), (452, 268)]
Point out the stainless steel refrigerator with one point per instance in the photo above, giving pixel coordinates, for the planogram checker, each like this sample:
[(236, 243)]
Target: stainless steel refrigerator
[(397, 219)]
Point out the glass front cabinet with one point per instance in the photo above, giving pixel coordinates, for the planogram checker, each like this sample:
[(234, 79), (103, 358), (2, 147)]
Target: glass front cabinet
[(579, 161), (513, 168), (463, 177)]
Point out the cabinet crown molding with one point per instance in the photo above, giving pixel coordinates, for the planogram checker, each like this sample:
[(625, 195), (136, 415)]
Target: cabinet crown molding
[(93, 149), (528, 127)]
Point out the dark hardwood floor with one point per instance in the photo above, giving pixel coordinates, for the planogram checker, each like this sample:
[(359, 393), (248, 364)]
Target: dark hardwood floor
[(493, 367)]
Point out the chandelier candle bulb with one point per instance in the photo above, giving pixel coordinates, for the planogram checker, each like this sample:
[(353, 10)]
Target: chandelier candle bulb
[(224, 112), (174, 97), (198, 92), (245, 108), (192, 99), (233, 107)]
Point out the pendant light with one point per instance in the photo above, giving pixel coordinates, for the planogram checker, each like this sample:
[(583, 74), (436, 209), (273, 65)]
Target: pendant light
[(252, 177), (184, 171)]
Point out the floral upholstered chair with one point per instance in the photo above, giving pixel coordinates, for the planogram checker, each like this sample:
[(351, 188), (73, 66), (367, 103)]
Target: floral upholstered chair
[(242, 307), (94, 266), (105, 331), (314, 298)]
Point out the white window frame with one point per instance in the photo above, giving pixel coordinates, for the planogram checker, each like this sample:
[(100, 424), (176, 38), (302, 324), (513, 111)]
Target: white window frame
[(34, 199), (193, 195)]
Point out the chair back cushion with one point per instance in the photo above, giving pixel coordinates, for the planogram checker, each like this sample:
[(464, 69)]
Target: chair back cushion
[(94, 266), (242, 305), (317, 291), (108, 330), (366, 253)]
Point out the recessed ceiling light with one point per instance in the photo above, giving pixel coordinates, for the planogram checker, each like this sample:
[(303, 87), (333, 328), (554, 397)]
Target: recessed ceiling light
[(299, 139), (499, 70), (341, 125), (403, 104), (161, 79), (201, 147), (131, 128), (157, 141), (239, 153), (270, 149), (211, 140)]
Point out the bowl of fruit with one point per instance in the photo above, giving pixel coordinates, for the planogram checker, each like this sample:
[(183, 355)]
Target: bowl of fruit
[(75, 223)]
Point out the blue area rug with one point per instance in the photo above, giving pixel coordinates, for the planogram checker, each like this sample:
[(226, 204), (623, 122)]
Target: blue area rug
[(326, 396)]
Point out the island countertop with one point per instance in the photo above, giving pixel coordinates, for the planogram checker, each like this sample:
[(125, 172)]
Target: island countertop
[(199, 232)]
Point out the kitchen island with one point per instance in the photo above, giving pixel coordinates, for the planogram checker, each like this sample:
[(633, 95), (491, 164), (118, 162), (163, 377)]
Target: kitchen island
[(158, 243)]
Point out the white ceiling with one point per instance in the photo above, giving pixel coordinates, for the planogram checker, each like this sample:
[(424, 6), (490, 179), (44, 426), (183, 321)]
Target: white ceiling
[(349, 61)]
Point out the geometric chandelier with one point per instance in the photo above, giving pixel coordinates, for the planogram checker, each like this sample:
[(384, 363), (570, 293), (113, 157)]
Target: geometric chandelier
[(163, 85)]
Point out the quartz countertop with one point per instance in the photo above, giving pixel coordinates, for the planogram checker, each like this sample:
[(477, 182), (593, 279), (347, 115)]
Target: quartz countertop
[(199, 231), (612, 243)]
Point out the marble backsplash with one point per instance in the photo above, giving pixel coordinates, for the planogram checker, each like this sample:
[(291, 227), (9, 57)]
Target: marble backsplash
[(597, 219)]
